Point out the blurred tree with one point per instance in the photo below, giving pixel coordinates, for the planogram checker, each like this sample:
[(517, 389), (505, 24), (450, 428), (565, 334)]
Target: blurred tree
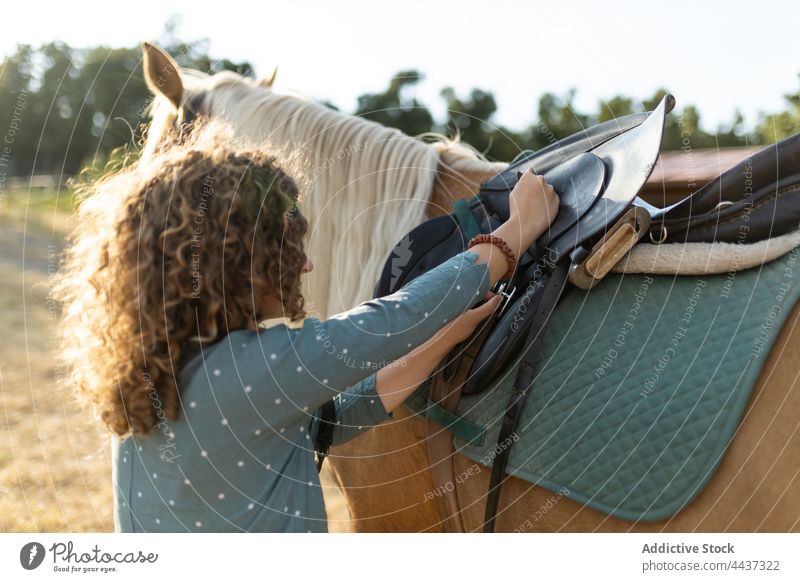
[(65, 107), (79, 104), (682, 128), (777, 126), (615, 107), (735, 135), (16, 112), (393, 108), (471, 120), (558, 118)]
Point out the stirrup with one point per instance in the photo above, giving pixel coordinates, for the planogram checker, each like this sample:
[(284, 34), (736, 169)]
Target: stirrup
[(589, 268)]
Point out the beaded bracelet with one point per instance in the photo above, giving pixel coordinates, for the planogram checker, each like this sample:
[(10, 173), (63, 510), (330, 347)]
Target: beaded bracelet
[(500, 244)]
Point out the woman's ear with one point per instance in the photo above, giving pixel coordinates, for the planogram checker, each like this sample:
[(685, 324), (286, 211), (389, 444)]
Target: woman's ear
[(162, 74)]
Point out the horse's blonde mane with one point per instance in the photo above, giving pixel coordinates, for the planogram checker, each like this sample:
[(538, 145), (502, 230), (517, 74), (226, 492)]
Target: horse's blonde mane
[(363, 185)]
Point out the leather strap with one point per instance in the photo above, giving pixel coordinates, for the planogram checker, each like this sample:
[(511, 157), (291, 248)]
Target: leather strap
[(327, 422), (554, 284), (446, 393), (473, 434)]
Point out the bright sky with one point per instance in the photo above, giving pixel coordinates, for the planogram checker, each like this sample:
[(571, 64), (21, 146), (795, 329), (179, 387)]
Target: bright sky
[(718, 56)]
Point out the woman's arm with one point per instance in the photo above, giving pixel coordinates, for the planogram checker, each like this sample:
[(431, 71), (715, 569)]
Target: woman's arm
[(395, 383), (309, 366), (355, 411), (533, 207), (372, 401), (330, 356)]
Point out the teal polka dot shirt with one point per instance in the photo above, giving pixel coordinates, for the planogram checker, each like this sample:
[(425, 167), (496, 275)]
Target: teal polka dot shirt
[(240, 456)]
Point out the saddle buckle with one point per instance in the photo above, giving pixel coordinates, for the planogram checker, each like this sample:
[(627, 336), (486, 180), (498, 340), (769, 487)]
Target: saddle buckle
[(507, 290)]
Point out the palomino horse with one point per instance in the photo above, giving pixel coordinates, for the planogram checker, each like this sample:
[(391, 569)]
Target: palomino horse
[(384, 473)]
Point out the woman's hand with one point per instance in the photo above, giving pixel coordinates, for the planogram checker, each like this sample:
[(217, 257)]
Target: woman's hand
[(395, 383), (462, 326), (533, 205)]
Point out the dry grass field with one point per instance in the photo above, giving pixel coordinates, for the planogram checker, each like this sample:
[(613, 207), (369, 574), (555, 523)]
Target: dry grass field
[(55, 473), (54, 462)]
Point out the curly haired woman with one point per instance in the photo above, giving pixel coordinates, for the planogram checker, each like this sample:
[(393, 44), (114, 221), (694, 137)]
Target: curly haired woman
[(175, 263)]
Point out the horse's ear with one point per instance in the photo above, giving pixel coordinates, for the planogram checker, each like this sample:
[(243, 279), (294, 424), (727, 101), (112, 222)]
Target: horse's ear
[(268, 80), (161, 73)]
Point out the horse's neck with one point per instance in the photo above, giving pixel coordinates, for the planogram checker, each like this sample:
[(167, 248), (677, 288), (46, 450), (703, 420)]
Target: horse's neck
[(459, 176), (327, 136), (286, 121), (363, 185)]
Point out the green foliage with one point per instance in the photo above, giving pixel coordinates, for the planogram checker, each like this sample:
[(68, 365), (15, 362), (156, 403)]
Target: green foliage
[(70, 108), (394, 108), (471, 120), (615, 107), (558, 118), (778, 126)]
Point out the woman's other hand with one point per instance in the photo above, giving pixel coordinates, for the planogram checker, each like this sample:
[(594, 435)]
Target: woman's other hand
[(464, 325)]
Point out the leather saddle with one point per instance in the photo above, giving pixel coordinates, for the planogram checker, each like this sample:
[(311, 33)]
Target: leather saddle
[(597, 174)]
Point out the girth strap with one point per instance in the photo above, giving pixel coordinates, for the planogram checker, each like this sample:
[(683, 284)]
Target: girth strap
[(554, 284), (446, 393)]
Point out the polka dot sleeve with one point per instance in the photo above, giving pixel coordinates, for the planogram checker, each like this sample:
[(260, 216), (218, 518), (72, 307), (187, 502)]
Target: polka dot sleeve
[(323, 358), (357, 409)]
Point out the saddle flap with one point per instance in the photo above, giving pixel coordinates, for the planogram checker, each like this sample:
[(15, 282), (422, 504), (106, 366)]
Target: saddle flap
[(578, 182), (564, 149), (755, 200), (629, 159)]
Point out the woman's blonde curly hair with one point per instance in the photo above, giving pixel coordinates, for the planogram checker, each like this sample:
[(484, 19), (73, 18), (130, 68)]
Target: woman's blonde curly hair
[(169, 253)]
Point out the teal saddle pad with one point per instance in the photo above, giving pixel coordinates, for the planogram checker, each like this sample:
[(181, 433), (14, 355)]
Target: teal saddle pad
[(641, 385)]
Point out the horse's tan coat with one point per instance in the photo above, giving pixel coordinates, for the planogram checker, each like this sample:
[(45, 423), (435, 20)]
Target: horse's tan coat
[(756, 487)]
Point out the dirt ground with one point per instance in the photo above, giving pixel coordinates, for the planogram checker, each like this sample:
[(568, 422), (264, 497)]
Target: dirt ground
[(55, 466)]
